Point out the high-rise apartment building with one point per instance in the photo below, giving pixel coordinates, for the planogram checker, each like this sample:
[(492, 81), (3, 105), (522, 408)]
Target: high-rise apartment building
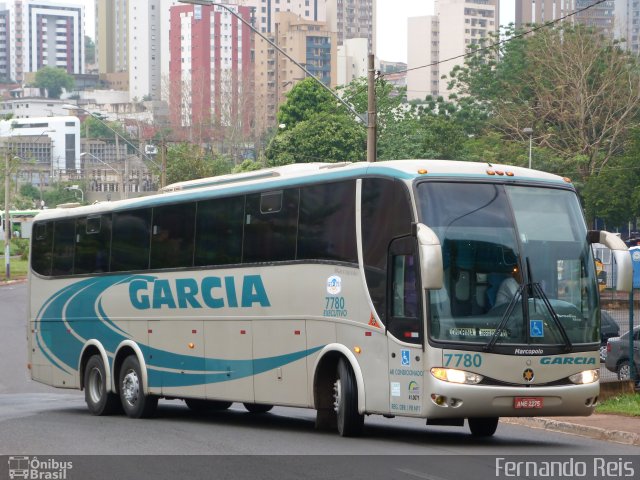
[(112, 36), (39, 33), (352, 19), (265, 11), (455, 27), (310, 43), (211, 70), (600, 16), (627, 23), (129, 41)]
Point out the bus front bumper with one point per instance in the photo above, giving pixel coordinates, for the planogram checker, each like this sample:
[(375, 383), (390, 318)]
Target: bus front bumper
[(448, 400)]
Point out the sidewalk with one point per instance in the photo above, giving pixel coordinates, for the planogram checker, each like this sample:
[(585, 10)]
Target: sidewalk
[(611, 428)]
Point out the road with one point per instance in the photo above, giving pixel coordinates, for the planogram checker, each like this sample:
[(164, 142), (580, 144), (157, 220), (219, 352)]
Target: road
[(43, 421)]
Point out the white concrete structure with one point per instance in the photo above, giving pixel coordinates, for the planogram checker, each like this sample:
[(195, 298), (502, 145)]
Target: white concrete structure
[(63, 132), (455, 26), (352, 60)]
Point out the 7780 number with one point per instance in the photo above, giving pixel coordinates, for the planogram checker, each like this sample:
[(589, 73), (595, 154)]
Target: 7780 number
[(462, 360)]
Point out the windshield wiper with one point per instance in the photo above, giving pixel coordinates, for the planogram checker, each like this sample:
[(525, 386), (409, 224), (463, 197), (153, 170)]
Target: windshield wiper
[(537, 290), (505, 318)]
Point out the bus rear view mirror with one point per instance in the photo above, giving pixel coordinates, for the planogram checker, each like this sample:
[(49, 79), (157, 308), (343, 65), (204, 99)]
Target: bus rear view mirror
[(431, 267), (624, 265)]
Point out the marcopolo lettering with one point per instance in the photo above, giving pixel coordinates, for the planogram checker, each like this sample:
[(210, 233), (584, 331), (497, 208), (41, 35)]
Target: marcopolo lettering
[(568, 361), (211, 292)]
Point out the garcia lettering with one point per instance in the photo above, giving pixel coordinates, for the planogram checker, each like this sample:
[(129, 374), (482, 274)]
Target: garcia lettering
[(211, 292)]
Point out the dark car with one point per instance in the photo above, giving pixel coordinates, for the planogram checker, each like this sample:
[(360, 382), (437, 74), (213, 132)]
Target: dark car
[(618, 354), (609, 328)]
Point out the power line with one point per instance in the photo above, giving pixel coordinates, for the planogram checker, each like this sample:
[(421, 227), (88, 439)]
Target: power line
[(501, 42)]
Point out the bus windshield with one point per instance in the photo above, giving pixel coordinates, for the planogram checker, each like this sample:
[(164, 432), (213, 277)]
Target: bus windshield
[(517, 266)]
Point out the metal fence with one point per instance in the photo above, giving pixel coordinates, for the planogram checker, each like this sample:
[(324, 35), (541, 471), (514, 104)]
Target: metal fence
[(624, 310)]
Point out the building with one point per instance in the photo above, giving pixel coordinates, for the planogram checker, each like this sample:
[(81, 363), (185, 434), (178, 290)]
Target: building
[(310, 44), (211, 71), (48, 145), (112, 36), (352, 19), (39, 33), (600, 16), (627, 23), (265, 11), (455, 27), (352, 60)]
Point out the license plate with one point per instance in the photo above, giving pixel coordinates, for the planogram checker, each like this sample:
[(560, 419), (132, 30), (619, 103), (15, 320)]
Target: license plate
[(527, 402)]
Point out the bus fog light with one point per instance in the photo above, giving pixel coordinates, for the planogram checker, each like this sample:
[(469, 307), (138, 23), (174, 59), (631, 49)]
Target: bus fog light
[(456, 376), (587, 376), (439, 400)]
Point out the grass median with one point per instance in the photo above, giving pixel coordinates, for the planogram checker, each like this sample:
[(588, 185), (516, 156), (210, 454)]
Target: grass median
[(627, 404)]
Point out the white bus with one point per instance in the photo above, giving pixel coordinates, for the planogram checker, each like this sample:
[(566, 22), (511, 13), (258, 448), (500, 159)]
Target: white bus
[(352, 289), (21, 222)]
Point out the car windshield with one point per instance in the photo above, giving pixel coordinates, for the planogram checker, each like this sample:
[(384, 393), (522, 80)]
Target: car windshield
[(517, 266)]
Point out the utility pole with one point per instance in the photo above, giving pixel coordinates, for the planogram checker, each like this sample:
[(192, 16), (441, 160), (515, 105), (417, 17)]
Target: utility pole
[(7, 216), (371, 111)]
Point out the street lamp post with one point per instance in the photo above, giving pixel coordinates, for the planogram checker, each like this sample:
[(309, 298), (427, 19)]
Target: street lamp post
[(529, 131)]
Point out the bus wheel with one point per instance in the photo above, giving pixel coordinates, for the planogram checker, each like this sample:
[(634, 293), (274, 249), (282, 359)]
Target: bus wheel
[(483, 427), (136, 403), (202, 406), (345, 402), (99, 400), (257, 407)]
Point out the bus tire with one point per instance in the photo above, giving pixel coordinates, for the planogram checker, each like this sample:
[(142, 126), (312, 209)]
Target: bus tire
[(257, 407), (483, 427), (99, 400), (198, 405), (135, 401), (345, 404)]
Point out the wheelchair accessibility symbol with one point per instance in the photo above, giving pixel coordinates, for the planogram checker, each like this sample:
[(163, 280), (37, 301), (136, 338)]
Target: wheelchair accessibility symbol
[(536, 328), (406, 358)]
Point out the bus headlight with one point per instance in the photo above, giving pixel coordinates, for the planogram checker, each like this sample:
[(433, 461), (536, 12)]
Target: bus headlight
[(456, 376), (588, 376)]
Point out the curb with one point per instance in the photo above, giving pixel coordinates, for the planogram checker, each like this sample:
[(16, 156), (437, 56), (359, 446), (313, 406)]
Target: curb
[(597, 433), (12, 282)]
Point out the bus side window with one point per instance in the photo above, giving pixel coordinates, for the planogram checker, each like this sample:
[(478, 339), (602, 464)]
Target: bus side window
[(42, 248), (93, 242), (173, 236), (131, 239), (270, 232), (219, 228), (64, 235)]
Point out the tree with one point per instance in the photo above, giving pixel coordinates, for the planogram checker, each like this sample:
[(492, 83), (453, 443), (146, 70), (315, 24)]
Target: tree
[(306, 99), (89, 51), (324, 137), (53, 80), (188, 162), (578, 91)]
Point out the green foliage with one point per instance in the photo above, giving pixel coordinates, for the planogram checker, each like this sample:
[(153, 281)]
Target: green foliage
[(93, 127), (89, 51), (627, 404), (305, 100), (54, 80), (247, 166), (324, 137), (188, 162), (57, 195)]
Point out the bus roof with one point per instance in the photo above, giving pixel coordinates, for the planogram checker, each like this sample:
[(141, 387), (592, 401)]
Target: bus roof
[(304, 173)]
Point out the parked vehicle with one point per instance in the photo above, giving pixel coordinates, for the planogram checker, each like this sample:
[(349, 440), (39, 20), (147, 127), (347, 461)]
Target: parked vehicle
[(618, 354), (609, 328)]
